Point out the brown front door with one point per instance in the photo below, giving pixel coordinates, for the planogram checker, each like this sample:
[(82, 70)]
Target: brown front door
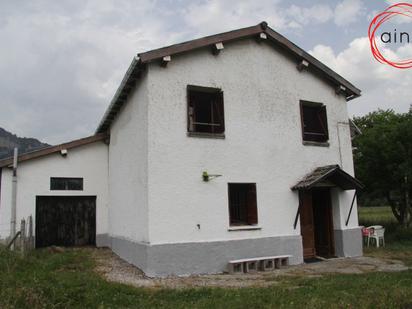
[(307, 226), (316, 223), (322, 214)]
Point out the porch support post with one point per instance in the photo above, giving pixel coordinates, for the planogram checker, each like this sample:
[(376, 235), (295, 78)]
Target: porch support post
[(350, 210), (298, 212)]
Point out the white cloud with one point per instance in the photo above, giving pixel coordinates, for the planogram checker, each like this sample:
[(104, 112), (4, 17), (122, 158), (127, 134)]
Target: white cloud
[(348, 11), (317, 14), (213, 15), (382, 85), (63, 63)]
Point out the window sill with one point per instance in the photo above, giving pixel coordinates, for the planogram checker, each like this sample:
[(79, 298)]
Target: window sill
[(206, 135), (244, 228), (319, 144)]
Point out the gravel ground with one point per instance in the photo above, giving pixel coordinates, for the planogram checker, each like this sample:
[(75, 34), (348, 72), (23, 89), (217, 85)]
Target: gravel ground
[(114, 269)]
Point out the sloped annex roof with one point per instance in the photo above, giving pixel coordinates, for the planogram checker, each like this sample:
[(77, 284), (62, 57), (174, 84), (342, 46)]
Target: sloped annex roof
[(53, 149), (139, 62), (331, 173)]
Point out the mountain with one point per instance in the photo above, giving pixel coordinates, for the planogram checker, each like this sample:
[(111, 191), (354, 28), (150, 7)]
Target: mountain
[(8, 141)]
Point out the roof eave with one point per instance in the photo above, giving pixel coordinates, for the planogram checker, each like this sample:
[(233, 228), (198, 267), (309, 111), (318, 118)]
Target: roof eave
[(120, 96), (299, 52), (317, 180), (330, 173), (54, 149)]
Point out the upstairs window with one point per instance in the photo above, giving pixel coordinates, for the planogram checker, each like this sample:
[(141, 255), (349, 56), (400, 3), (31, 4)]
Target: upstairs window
[(242, 204), (314, 122), (61, 183), (205, 110)]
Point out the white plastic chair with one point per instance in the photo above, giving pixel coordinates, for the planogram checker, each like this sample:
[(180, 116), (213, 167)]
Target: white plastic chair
[(375, 227), (378, 234)]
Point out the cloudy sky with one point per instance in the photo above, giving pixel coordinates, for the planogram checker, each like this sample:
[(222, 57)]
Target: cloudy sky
[(61, 61)]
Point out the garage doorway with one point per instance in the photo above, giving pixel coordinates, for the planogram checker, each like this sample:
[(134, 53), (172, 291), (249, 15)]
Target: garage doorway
[(65, 221)]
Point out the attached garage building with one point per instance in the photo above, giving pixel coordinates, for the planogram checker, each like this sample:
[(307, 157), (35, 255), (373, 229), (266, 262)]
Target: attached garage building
[(65, 189)]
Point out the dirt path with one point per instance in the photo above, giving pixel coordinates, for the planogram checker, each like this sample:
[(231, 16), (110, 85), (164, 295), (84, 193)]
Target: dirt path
[(114, 269)]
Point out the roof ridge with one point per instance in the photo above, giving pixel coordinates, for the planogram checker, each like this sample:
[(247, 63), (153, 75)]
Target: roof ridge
[(263, 26)]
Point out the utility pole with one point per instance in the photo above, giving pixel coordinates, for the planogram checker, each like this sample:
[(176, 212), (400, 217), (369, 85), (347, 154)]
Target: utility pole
[(14, 196)]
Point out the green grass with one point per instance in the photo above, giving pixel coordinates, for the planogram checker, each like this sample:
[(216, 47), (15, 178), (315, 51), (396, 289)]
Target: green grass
[(374, 215), (67, 280)]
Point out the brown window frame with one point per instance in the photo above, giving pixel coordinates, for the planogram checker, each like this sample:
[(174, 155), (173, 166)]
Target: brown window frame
[(208, 128), (320, 136), (243, 209)]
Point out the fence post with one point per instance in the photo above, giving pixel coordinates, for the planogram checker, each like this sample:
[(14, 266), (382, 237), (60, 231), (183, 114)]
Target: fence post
[(22, 236), (31, 238)]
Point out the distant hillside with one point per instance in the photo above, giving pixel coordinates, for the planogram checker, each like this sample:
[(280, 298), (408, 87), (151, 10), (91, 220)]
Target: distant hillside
[(8, 141)]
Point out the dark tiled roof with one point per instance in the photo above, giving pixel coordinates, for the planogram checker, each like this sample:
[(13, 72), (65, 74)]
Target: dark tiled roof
[(332, 173)]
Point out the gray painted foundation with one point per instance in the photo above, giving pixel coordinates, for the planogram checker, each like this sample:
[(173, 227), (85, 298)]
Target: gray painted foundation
[(201, 257), (212, 257), (348, 243), (103, 240)]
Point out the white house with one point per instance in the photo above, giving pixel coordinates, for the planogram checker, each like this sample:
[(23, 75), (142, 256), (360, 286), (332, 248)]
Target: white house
[(231, 146)]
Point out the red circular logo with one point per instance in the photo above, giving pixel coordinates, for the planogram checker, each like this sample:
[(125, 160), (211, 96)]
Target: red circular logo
[(400, 9)]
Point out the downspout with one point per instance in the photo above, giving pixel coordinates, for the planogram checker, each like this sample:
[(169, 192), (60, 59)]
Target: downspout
[(341, 123), (14, 196)]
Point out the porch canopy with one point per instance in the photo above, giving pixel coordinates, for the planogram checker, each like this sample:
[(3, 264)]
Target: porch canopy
[(328, 176)]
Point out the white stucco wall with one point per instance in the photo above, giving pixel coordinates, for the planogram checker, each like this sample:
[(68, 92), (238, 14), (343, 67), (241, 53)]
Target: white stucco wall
[(263, 143), (33, 176), (128, 168)]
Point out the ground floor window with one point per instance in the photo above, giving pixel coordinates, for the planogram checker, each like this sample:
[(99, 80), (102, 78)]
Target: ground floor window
[(242, 204)]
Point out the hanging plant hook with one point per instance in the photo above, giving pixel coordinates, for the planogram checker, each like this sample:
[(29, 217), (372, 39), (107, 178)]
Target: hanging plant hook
[(206, 176)]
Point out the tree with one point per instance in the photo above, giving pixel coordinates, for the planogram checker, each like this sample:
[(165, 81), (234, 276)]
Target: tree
[(383, 159)]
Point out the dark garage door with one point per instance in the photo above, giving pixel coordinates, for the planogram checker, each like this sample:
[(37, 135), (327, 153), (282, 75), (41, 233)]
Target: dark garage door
[(65, 220)]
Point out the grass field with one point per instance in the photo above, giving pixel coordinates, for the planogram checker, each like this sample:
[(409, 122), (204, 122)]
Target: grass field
[(371, 215), (67, 280)]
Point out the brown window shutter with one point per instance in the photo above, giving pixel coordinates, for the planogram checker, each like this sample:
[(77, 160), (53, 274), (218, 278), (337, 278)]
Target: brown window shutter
[(190, 112), (221, 112), (191, 118), (251, 205), (323, 120), (302, 120), (218, 113)]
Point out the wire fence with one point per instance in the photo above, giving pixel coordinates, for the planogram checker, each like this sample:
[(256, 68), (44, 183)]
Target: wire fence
[(24, 239)]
